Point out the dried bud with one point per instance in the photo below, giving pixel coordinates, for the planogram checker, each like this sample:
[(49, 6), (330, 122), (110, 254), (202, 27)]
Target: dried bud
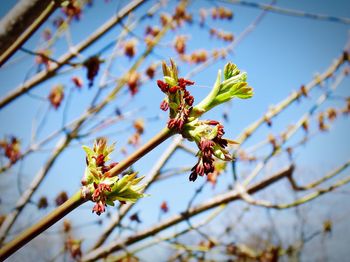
[(225, 36), (2, 219), (74, 247), (78, 82), (164, 207), (58, 22), (181, 15), (268, 121), (134, 82), (327, 226), (67, 226), (61, 198), (43, 58), (135, 217), (139, 125), (151, 70), (153, 31), (92, 64), (180, 44), (272, 140), (321, 123), (72, 10), (165, 19), (130, 48), (47, 34), (199, 56), (331, 114), (56, 96), (305, 125), (221, 13), (303, 91), (134, 139), (42, 203)]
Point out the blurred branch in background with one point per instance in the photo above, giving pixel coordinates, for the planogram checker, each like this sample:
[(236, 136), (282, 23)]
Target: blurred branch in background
[(21, 22)]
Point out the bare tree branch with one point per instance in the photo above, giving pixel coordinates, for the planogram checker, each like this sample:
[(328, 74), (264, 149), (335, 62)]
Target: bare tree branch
[(216, 201), (43, 75)]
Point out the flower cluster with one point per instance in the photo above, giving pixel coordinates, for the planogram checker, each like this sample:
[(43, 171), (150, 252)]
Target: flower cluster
[(208, 136), (102, 186), (178, 100), (184, 118)]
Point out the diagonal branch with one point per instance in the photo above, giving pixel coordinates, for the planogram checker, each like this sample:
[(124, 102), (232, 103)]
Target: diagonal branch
[(290, 12), (214, 202), (274, 111), (314, 184), (302, 200)]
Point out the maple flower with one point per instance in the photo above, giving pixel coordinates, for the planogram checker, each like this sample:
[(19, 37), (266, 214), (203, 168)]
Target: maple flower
[(179, 100), (184, 117), (104, 188)]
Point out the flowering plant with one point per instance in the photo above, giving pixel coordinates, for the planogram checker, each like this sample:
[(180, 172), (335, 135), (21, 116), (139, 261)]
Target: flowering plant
[(100, 185), (184, 118)]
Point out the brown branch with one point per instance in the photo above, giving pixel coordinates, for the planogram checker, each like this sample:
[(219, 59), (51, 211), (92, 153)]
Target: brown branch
[(300, 201), (22, 22), (38, 228), (274, 111), (25, 197), (293, 129), (216, 201), (314, 184)]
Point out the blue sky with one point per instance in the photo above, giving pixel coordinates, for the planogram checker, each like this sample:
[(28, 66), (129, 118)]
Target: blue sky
[(280, 55)]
